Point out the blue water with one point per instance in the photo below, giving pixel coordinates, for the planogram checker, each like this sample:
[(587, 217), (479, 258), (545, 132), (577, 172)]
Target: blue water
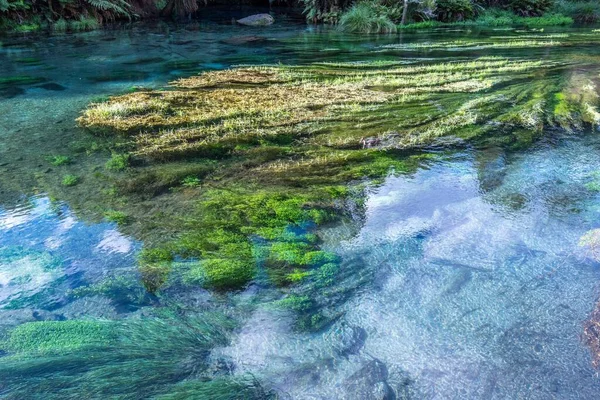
[(465, 279), (467, 296)]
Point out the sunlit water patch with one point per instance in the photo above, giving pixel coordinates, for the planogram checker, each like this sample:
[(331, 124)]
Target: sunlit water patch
[(479, 287), (46, 251)]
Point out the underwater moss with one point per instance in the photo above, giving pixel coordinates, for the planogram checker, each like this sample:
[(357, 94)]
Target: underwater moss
[(191, 181), (224, 274), (118, 162), (20, 80), (57, 336), (70, 180), (119, 217), (60, 160)]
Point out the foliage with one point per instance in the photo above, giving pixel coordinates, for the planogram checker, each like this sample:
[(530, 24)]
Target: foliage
[(498, 17), (73, 15), (324, 10), (530, 8), (285, 147), (455, 10), (365, 17), (52, 337), (581, 11), (191, 181)]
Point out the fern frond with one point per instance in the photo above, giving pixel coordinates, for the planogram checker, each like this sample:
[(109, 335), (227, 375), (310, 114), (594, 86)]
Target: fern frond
[(119, 7)]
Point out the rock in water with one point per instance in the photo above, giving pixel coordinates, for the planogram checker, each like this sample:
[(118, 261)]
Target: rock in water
[(257, 20), (370, 383), (239, 40)]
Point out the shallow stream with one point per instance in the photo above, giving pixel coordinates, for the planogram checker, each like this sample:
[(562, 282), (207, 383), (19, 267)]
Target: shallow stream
[(464, 279)]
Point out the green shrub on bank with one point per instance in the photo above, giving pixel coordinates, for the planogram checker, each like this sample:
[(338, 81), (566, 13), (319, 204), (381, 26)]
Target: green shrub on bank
[(455, 10), (530, 8), (366, 17), (496, 18), (581, 11)]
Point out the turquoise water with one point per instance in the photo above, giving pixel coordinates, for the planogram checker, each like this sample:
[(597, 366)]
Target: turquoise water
[(463, 280)]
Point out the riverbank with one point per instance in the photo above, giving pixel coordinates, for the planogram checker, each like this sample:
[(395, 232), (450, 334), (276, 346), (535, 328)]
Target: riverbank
[(365, 16)]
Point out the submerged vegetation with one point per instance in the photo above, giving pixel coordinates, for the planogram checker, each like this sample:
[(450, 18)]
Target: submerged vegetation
[(292, 141), (164, 356), (229, 178)]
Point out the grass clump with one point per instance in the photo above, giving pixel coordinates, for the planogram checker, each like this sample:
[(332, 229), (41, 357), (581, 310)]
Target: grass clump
[(499, 17), (222, 274), (84, 24), (70, 180), (494, 17), (60, 25), (365, 17)]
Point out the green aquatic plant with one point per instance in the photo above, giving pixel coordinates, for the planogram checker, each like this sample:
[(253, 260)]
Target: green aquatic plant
[(118, 217), (29, 61), (153, 356), (54, 337), (20, 80), (244, 388), (222, 274), (70, 180), (118, 162), (191, 181), (59, 160), (279, 156), (121, 289)]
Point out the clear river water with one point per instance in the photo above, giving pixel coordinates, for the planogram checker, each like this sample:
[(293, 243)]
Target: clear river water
[(466, 279)]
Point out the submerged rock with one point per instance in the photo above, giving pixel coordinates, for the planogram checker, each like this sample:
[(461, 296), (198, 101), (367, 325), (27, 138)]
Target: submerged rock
[(370, 383), (52, 86), (257, 20), (238, 40), (591, 335), (351, 339)]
